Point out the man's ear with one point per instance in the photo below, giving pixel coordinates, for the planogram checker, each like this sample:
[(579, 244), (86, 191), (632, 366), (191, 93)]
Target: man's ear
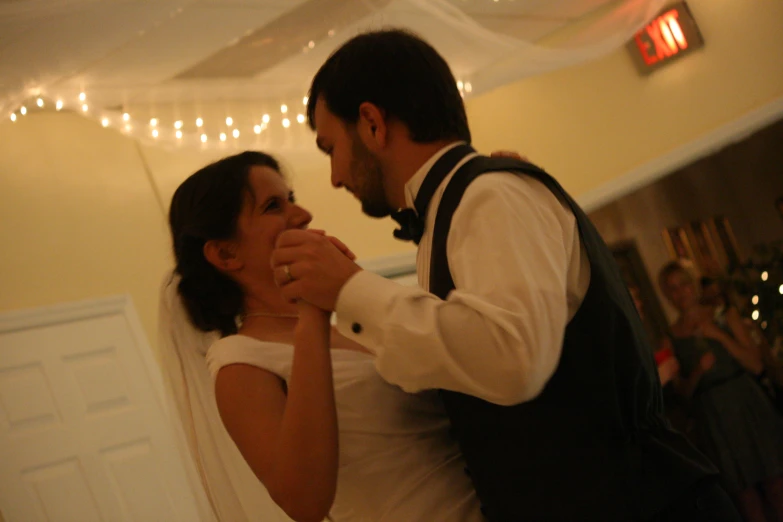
[(222, 254), (372, 126)]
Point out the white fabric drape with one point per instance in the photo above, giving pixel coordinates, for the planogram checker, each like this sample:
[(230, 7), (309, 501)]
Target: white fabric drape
[(227, 489)]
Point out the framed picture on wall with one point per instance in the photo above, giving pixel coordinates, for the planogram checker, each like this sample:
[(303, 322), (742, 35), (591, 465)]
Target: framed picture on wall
[(636, 278), (728, 242), (708, 256), (678, 244)]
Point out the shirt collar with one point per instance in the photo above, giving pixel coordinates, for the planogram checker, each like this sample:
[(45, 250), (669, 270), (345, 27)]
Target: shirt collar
[(414, 183)]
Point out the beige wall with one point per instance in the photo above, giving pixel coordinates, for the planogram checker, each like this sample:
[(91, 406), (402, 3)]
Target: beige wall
[(80, 217), (588, 125)]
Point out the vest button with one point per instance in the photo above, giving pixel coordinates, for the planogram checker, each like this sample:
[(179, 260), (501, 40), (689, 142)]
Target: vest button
[(356, 328)]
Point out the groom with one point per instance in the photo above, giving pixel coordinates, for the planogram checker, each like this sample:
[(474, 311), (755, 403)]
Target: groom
[(527, 328)]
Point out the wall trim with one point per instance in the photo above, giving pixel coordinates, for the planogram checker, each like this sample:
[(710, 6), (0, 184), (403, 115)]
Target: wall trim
[(683, 155)]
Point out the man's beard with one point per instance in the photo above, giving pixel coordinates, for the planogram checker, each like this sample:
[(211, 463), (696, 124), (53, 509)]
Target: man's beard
[(367, 174)]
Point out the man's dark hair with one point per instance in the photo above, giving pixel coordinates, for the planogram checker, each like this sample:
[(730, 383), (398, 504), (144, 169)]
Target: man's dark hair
[(401, 74)]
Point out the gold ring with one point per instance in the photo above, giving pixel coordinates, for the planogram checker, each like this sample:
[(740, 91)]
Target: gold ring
[(287, 272)]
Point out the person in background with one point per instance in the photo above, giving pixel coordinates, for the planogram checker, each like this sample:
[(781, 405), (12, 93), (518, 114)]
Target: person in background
[(737, 425)]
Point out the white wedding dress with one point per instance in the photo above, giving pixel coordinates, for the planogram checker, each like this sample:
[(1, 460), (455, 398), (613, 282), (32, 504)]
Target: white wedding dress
[(397, 460)]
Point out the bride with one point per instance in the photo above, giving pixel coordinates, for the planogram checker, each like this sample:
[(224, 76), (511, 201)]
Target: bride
[(308, 415)]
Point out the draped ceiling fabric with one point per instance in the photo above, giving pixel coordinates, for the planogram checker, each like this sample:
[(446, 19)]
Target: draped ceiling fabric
[(127, 62)]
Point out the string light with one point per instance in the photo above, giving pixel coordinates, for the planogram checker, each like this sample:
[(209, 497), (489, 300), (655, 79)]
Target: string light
[(154, 122), (39, 102), (203, 138), (460, 85), (300, 118), (311, 44), (178, 134), (199, 123), (23, 110), (754, 299), (105, 122), (126, 116), (764, 325), (85, 108), (178, 124), (780, 289), (755, 315), (59, 104), (235, 133), (257, 129), (286, 122), (265, 118), (154, 133), (82, 96), (305, 100), (13, 116), (764, 275), (330, 33), (222, 136), (468, 87), (128, 127), (229, 121), (284, 108)]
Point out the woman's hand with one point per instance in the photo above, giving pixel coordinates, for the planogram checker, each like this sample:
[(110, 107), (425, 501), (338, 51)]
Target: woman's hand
[(509, 154), (707, 361)]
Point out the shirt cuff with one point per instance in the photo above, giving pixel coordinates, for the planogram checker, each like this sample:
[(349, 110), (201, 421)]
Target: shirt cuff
[(361, 306)]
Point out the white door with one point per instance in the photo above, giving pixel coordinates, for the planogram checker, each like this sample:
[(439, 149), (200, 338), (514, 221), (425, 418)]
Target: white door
[(83, 434)]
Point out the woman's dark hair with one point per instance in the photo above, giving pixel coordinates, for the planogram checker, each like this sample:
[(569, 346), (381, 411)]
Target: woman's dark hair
[(207, 206), (400, 73)]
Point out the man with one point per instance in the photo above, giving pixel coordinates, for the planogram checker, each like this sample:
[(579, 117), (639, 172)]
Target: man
[(527, 329)]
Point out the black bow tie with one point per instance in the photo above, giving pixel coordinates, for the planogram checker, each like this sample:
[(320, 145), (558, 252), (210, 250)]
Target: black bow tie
[(412, 221), (411, 226)]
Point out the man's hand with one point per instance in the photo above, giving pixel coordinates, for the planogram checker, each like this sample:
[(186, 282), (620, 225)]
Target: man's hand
[(312, 266)]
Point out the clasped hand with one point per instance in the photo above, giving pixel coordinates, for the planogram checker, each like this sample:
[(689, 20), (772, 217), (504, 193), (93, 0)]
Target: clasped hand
[(309, 265)]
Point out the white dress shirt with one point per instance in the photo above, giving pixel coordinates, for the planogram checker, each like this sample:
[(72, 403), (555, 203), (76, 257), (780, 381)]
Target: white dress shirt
[(520, 273)]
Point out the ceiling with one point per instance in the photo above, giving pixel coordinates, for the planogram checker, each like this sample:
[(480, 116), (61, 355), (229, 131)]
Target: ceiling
[(213, 59)]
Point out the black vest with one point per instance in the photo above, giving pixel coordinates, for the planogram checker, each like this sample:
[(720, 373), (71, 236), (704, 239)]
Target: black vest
[(594, 445)]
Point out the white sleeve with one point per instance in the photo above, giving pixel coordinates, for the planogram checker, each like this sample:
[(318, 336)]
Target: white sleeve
[(499, 335)]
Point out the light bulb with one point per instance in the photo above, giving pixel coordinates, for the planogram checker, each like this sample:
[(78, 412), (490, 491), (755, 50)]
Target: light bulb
[(754, 299), (23, 110), (330, 33), (203, 138), (105, 122), (305, 100), (199, 122), (265, 118), (286, 122), (178, 134), (311, 44), (222, 136), (257, 129), (126, 116), (13, 116), (468, 87), (764, 325), (235, 133), (39, 102), (755, 315), (764, 275), (128, 127), (460, 85), (229, 121), (59, 104), (178, 124), (154, 133), (780, 289), (82, 96), (284, 108), (300, 118), (85, 108), (154, 122)]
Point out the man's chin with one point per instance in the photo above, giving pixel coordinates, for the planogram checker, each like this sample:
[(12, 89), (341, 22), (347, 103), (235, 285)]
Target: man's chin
[(376, 211)]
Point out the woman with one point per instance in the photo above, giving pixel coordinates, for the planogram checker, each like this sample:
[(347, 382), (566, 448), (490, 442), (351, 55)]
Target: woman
[(736, 423), (285, 382)]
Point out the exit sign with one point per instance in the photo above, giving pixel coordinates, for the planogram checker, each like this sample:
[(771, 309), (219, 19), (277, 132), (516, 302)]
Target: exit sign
[(668, 36)]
